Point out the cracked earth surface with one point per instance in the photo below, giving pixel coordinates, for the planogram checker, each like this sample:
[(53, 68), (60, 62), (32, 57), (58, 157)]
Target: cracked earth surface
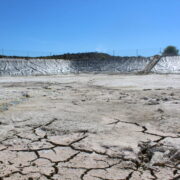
[(90, 127)]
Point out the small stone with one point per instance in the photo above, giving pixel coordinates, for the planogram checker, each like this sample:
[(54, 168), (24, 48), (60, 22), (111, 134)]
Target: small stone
[(160, 110), (46, 87), (25, 95), (152, 102), (33, 164), (157, 158), (145, 98), (165, 99)]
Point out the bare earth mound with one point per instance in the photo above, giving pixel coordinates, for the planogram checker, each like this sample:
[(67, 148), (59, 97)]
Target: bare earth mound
[(90, 127)]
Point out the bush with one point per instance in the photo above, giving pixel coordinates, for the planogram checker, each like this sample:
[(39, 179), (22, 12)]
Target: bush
[(170, 51)]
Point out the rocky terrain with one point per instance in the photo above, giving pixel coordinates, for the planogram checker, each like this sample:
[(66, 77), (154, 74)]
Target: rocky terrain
[(90, 127)]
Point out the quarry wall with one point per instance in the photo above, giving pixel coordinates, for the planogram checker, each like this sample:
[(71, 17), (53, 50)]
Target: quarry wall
[(168, 65), (23, 67)]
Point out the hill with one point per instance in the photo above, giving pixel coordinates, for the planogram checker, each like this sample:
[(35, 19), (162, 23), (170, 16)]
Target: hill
[(75, 56)]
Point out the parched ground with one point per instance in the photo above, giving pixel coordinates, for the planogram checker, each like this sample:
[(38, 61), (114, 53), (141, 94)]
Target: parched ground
[(90, 127)]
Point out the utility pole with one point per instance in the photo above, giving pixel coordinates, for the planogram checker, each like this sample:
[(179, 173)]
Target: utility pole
[(113, 54), (137, 53), (2, 51)]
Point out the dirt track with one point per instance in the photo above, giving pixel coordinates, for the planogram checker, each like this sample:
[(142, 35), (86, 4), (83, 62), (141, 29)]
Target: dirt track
[(90, 127)]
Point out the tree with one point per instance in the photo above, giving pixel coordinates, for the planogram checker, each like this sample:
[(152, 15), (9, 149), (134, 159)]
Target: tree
[(170, 51)]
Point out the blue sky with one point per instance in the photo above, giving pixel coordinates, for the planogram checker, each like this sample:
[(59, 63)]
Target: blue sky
[(60, 26)]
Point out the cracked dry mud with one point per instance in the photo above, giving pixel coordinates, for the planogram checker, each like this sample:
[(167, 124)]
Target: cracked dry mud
[(90, 127)]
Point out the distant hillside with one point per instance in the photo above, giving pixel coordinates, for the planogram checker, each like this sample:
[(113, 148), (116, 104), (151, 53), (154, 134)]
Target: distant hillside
[(75, 56)]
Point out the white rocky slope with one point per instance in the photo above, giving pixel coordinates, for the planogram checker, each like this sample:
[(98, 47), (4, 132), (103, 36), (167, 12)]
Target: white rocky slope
[(21, 67), (168, 65)]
